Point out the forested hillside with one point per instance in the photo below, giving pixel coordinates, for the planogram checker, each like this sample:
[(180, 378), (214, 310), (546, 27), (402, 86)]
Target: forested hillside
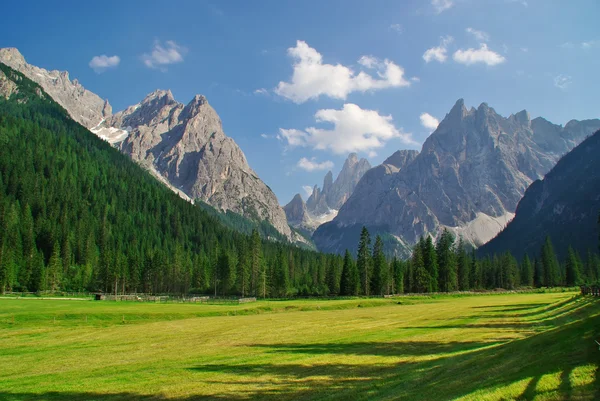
[(76, 214)]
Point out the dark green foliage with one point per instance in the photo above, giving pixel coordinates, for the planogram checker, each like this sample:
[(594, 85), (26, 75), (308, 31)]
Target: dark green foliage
[(350, 279), (572, 268), (550, 265), (379, 278), (464, 266), (446, 257), (526, 272), (363, 261), (430, 261)]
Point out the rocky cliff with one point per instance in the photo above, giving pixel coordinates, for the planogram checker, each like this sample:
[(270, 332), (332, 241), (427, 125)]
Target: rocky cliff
[(469, 176)]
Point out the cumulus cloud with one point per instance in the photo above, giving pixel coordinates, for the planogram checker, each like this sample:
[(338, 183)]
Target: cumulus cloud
[(162, 55), (354, 130), (563, 81), (101, 63), (261, 91), (441, 5), (312, 78), (438, 53), (308, 190), (482, 55), (313, 165), (428, 121), (479, 35)]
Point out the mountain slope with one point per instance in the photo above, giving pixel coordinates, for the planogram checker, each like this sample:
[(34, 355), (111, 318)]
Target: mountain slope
[(469, 177), (77, 214), (564, 205), (184, 146)]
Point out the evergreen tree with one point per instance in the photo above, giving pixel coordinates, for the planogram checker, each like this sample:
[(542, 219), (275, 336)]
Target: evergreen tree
[(447, 262), (573, 268), (422, 279), (281, 276), (398, 276), (55, 268), (475, 280), (242, 269), (430, 261), (538, 275), (347, 284), (550, 265), (256, 263), (464, 267), (363, 261), (526, 272), (380, 268)]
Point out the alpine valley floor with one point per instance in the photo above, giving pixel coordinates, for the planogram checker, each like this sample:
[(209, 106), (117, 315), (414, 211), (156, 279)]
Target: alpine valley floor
[(485, 347)]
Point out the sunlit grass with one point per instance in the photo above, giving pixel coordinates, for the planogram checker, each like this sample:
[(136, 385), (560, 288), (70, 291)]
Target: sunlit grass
[(489, 347)]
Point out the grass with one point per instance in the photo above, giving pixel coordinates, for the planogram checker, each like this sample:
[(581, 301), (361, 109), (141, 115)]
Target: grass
[(487, 347)]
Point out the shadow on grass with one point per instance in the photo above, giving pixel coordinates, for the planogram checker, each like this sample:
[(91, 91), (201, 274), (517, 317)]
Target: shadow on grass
[(455, 370)]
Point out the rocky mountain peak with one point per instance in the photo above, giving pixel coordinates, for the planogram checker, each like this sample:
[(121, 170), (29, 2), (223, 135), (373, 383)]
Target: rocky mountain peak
[(327, 182), (522, 117), (401, 158), (12, 57)]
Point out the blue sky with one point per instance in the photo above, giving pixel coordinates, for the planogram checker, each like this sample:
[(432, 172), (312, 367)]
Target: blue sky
[(300, 84)]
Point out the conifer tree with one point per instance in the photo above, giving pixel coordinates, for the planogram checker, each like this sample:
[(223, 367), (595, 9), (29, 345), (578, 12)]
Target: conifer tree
[(526, 272), (398, 275), (55, 268), (379, 277), (422, 279), (447, 262), (464, 266), (550, 265), (430, 261), (363, 261), (572, 268)]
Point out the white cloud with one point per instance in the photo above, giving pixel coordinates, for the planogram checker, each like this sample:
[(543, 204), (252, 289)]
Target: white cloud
[(428, 121), (482, 55), (311, 78), (354, 130), (160, 56), (589, 44), (481, 36), (415, 79), (308, 190), (103, 62), (372, 154), (441, 5), (261, 91), (312, 165), (438, 53), (265, 136), (397, 27), (563, 81)]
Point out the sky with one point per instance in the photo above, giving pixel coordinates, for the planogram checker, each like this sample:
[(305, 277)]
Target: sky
[(300, 84)]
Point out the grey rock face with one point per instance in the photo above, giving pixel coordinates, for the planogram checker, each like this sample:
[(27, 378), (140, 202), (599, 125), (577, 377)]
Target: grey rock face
[(184, 146), (475, 162), (296, 212), (83, 106), (322, 205), (7, 86), (187, 146)]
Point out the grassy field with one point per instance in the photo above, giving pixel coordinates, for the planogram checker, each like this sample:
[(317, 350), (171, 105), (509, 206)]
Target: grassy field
[(487, 347)]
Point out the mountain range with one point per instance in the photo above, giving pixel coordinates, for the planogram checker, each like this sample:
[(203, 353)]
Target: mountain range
[(469, 177), (323, 204), (184, 146)]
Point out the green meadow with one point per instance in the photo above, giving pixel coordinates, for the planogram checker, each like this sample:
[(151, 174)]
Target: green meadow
[(484, 347)]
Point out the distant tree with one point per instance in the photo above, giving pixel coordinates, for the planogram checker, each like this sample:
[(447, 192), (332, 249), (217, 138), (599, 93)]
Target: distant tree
[(54, 270), (538, 273), (422, 279), (430, 261), (397, 269), (526, 272), (363, 261), (464, 266), (572, 268), (475, 280), (256, 262), (550, 264), (447, 262), (242, 269), (380, 268), (348, 285)]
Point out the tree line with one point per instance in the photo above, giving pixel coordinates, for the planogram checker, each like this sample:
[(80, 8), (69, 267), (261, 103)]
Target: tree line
[(77, 215)]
